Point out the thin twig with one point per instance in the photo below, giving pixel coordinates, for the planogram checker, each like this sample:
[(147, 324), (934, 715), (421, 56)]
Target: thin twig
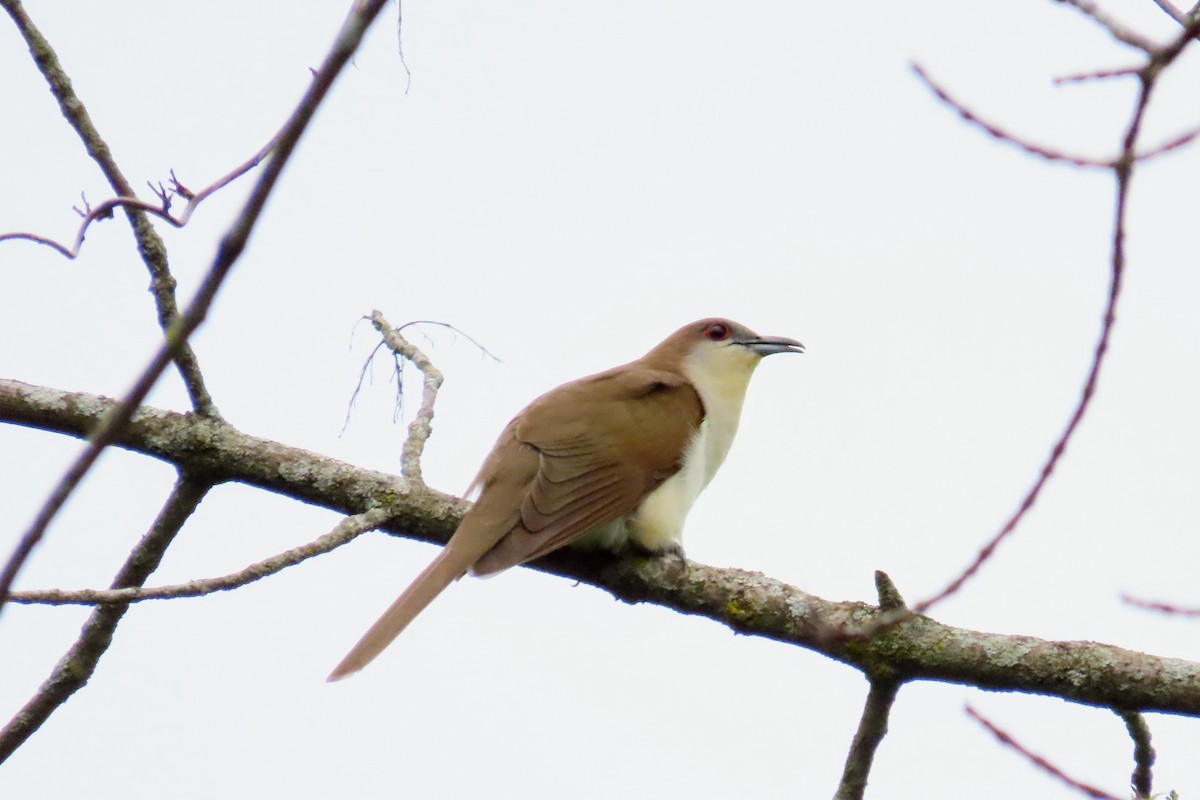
[(1114, 28), (1047, 153), (362, 376), (422, 425), (161, 209), (230, 248), (346, 531), (1039, 761), (1169, 145), (1158, 605), (1097, 75), (149, 244), (1173, 12), (1060, 445), (398, 370), (400, 45), (76, 667), (456, 331), (996, 132), (1142, 779), (1122, 168), (872, 727)]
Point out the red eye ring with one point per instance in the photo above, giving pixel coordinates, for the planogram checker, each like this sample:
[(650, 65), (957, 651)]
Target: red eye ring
[(718, 331)]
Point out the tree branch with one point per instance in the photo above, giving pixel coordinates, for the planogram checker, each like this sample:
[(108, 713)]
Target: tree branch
[(874, 723), (996, 132), (108, 429), (1171, 11), (344, 532), (76, 667), (161, 209), (1177, 15), (872, 727), (149, 244), (917, 648), (1038, 761), (1158, 605), (421, 426), (1143, 754), (1122, 167), (1115, 29)]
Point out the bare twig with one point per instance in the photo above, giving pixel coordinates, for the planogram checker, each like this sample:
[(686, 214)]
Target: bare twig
[(1047, 153), (1114, 28), (1175, 14), (76, 667), (1060, 445), (1097, 75), (1143, 754), (398, 368), (1171, 11), (362, 376), (1039, 761), (1158, 605), (161, 209), (1169, 145), (230, 248), (872, 727), (421, 426), (1122, 168), (454, 330), (400, 45), (149, 243), (996, 132), (346, 531)]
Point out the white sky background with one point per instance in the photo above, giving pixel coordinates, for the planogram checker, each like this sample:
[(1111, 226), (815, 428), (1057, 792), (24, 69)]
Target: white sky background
[(568, 183)]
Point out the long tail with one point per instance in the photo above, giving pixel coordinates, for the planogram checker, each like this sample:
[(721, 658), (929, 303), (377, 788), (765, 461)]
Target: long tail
[(443, 571)]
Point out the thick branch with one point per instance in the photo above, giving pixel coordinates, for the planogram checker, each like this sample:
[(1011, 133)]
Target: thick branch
[(916, 649), (75, 668)]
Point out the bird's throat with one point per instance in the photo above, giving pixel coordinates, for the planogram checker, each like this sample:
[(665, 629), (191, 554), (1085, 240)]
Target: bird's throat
[(721, 380)]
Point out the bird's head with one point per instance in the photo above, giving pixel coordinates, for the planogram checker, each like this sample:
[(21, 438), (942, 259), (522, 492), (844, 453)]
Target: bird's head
[(718, 349)]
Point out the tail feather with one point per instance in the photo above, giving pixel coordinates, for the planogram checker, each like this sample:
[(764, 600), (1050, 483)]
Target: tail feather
[(443, 571)]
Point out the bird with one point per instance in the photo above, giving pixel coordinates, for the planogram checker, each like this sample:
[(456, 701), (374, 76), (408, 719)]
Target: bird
[(613, 461)]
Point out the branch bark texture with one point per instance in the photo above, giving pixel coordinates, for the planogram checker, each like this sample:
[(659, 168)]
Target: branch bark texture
[(75, 669), (919, 648)]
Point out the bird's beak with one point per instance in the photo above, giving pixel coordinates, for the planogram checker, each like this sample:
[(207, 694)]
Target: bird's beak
[(767, 345)]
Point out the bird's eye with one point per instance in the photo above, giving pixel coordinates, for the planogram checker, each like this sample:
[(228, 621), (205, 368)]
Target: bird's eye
[(717, 331)]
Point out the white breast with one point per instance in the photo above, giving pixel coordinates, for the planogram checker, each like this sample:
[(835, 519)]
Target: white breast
[(720, 375)]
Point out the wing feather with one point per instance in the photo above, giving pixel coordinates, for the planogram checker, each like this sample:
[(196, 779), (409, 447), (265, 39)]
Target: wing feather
[(602, 445)]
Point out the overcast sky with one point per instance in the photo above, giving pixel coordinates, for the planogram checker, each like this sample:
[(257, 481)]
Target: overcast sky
[(567, 183)]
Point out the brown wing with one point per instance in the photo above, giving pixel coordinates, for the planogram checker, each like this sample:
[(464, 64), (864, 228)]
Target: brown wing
[(602, 443), (576, 458)]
